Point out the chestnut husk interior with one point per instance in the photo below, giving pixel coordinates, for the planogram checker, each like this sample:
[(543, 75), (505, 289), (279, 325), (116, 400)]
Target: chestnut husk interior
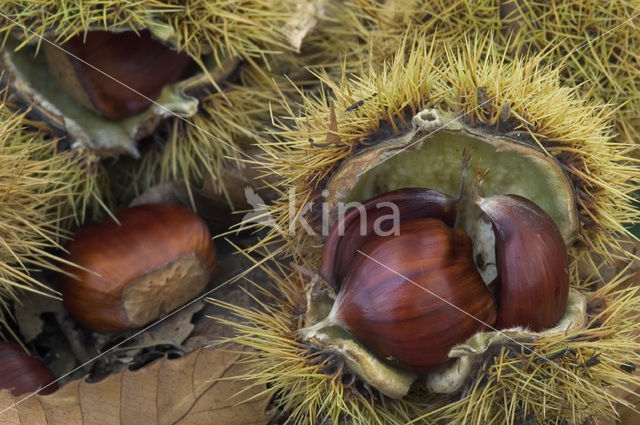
[(428, 155)]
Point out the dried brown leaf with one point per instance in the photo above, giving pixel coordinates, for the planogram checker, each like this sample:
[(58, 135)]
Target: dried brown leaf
[(29, 310), (174, 330), (195, 389), (303, 21)]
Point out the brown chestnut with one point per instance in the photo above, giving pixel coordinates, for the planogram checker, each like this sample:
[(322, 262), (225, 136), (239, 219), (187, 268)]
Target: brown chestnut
[(130, 273), (22, 373), (350, 232), (413, 296), (532, 260), (101, 65)]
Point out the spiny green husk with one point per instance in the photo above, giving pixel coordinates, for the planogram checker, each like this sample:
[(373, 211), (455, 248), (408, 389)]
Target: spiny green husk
[(519, 98), (198, 147), (574, 131), (41, 190), (575, 377)]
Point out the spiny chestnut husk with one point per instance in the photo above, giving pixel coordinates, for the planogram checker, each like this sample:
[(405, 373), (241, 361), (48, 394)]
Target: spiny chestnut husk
[(39, 188), (87, 105), (22, 373), (413, 296), (405, 123), (147, 46), (154, 260)]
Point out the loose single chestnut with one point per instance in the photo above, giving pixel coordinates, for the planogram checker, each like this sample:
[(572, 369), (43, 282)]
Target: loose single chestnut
[(104, 70), (130, 273), (22, 373), (413, 296)]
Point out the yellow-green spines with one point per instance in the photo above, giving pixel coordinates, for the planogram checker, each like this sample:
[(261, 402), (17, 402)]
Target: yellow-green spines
[(485, 91), (40, 190), (518, 98), (232, 100), (569, 378), (197, 149), (594, 41)]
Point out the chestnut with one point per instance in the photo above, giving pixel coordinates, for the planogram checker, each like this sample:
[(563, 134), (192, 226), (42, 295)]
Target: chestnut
[(154, 259), (348, 235), (21, 373), (118, 74), (532, 260), (413, 296)]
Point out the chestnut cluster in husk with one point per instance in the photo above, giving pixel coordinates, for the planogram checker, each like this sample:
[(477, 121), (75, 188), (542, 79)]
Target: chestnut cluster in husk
[(412, 295)]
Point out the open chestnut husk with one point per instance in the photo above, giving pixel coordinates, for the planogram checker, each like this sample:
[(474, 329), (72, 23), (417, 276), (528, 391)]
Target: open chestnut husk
[(117, 74), (411, 293), (153, 260), (21, 373), (405, 124)]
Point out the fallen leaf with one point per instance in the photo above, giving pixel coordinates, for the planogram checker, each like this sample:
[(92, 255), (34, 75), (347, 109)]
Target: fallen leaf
[(197, 389), (173, 330), (29, 310), (303, 21)]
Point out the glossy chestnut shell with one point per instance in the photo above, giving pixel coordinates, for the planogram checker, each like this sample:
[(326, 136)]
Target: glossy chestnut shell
[(22, 373), (532, 261), (410, 298), (157, 258), (349, 233)]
